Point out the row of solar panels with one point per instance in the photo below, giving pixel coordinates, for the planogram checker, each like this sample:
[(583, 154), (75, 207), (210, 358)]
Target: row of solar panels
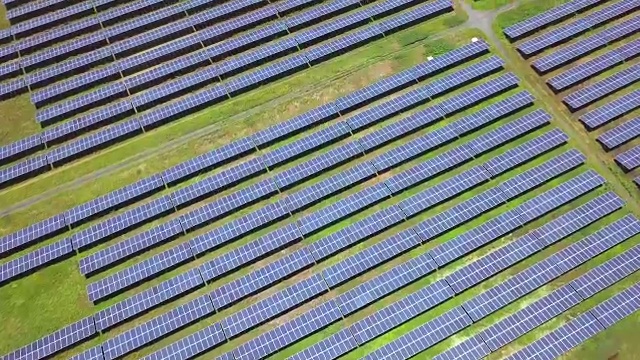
[(503, 163), (293, 203), (182, 106), (158, 207), (183, 283), (568, 31), (549, 17), (228, 67), (220, 156)]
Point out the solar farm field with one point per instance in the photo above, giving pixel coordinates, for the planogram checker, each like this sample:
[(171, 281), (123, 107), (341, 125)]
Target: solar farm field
[(308, 179)]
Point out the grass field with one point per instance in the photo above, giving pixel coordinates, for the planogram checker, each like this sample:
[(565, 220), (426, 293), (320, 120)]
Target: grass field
[(55, 296)]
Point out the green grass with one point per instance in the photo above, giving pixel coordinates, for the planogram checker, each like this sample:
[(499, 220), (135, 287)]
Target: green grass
[(488, 4), (4, 21), (18, 119), (525, 10)]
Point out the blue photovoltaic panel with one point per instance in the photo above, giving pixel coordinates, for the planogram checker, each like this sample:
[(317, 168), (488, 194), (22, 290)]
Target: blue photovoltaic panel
[(238, 227), (385, 283), (471, 348), (618, 307), (356, 232), (59, 34), (577, 27), (114, 199), (137, 61), (588, 69), (20, 148), (35, 259), (124, 249), (301, 122), (530, 317), (270, 307), (415, 14), (273, 70), (321, 11), (479, 93), (238, 289), (548, 17), (621, 134), (608, 273), (32, 233), (342, 43), (318, 139), (611, 110), (121, 222), (148, 299), (24, 169), (216, 182), (250, 252), (316, 165), (586, 46), (629, 159), (271, 341), (208, 160), (400, 311), (86, 122), (94, 353), (57, 341), (48, 74), (192, 345), (560, 340), (121, 280), (330, 348), (157, 327), (342, 208), (370, 257), (423, 337), (92, 142), (600, 89), (255, 57)]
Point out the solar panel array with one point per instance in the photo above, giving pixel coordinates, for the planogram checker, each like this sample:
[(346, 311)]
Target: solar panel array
[(629, 159), (621, 134), (587, 95), (116, 110)]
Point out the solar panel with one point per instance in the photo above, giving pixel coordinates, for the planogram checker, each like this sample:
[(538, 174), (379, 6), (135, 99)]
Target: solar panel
[(206, 161), (575, 28), (620, 134), (416, 14), (330, 28), (20, 148), (35, 259), (332, 347), (114, 199), (239, 227), (93, 142), (528, 318), (611, 110), (588, 69), (146, 300), (470, 348), (561, 339), (253, 58), (317, 165), (274, 70), (370, 257), (618, 307), (40, 77), (400, 311), (585, 46), (587, 95), (542, 20), (24, 169), (542, 173), (424, 336), (343, 208), (217, 182), (33, 233), (57, 341), (629, 159), (607, 273), (311, 142), (121, 222), (127, 277), (157, 327), (301, 122), (244, 286), (343, 43), (192, 345), (288, 333), (62, 51), (173, 65), (274, 305), (371, 290), (94, 353), (319, 12)]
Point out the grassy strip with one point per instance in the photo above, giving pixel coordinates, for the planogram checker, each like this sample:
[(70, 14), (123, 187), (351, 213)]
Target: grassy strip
[(486, 5), (18, 119), (401, 49)]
